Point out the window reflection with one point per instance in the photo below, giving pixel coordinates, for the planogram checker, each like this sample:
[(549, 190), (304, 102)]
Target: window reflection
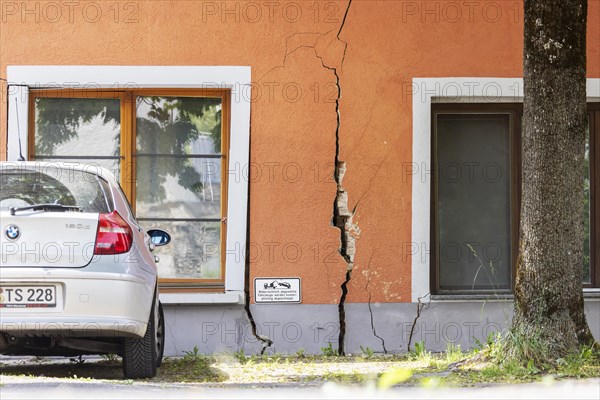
[(74, 129), (586, 212), (178, 164)]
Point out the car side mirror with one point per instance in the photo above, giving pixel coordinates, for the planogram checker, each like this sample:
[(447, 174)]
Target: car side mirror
[(159, 237)]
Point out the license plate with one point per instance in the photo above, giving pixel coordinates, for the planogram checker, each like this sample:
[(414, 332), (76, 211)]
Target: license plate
[(27, 296)]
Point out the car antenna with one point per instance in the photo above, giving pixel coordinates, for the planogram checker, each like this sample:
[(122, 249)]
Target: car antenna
[(21, 158)]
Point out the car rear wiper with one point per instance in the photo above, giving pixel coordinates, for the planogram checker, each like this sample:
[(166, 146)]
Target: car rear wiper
[(45, 207)]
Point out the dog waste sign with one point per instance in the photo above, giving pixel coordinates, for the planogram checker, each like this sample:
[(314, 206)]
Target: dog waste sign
[(277, 290)]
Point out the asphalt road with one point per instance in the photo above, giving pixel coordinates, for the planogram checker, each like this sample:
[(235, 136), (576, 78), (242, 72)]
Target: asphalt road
[(59, 378), (22, 387)]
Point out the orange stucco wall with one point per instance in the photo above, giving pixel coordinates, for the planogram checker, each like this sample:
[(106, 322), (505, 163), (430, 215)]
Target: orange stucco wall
[(293, 114)]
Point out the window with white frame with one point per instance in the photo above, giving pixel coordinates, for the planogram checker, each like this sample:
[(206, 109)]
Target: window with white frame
[(475, 197), (168, 160), (166, 137)]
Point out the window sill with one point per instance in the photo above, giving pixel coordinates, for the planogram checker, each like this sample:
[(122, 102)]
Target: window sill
[(588, 293), (232, 297), (591, 293), (472, 297)]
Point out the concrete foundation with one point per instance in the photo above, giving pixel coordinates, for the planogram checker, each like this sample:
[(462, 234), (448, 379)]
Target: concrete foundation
[(226, 329)]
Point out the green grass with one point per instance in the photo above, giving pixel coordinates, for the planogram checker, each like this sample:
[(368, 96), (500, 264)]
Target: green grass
[(496, 368), (367, 352), (341, 377), (421, 367), (192, 367), (329, 351)]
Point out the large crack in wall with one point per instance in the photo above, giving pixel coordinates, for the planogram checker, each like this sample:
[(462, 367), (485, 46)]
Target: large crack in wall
[(342, 219), (342, 216), (265, 341)]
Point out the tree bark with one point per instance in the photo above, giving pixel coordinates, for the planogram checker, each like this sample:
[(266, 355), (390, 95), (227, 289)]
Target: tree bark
[(548, 293)]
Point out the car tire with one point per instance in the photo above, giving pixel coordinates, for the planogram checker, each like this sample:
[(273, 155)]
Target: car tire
[(160, 335), (140, 354)]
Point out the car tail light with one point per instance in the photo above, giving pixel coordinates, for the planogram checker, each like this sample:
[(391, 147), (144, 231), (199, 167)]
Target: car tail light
[(114, 234)]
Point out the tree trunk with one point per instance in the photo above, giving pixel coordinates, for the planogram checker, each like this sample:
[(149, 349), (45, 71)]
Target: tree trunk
[(549, 312)]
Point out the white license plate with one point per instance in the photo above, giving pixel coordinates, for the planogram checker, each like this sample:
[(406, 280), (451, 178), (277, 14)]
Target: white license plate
[(27, 296)]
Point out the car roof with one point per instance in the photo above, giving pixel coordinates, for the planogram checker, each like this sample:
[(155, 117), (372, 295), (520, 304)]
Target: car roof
[(72, 166)]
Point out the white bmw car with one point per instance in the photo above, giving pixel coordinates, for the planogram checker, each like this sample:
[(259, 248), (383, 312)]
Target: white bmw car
[(77, 273)]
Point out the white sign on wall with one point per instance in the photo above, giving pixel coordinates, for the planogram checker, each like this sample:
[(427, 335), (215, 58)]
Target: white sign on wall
[(277, 290)]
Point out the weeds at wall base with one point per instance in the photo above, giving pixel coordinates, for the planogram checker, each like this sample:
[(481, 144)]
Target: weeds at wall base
[(192, 367), (533, 351), (514, 358), (451, 368)]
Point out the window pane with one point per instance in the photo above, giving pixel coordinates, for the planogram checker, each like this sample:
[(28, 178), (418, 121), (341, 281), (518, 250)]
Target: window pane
[(178, 176), (474, 201), (586, 210), (194, 251), (178, 125), (82, 127), (178, 187)]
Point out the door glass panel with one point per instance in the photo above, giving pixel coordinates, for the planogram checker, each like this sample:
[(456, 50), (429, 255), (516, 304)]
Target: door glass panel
[(473, 208)]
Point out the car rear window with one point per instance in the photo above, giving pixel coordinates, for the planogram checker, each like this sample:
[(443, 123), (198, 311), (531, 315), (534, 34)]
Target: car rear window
[(22, 187)]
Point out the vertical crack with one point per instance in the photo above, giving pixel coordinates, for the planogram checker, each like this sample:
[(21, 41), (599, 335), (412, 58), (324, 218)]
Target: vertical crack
[(420, 306), (371, 313), (266, 342), (342, 314), (342, 216)]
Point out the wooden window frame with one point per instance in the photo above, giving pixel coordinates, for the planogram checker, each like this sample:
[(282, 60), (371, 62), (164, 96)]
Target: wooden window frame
[(516, 111), (127, 154), (594, 129)]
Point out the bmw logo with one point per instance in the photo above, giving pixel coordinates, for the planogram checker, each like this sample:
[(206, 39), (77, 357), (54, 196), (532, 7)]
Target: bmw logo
[(12, 232)]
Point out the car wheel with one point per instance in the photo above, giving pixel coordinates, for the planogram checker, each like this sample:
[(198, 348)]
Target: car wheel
[(140, 354), (160, 335)]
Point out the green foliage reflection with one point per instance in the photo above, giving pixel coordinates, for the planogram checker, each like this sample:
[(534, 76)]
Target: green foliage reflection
[(169, 126), (166, 126)]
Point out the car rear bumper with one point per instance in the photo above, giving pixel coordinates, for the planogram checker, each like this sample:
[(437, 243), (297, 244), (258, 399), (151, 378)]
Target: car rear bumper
[(71, 327), (87, 304)]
